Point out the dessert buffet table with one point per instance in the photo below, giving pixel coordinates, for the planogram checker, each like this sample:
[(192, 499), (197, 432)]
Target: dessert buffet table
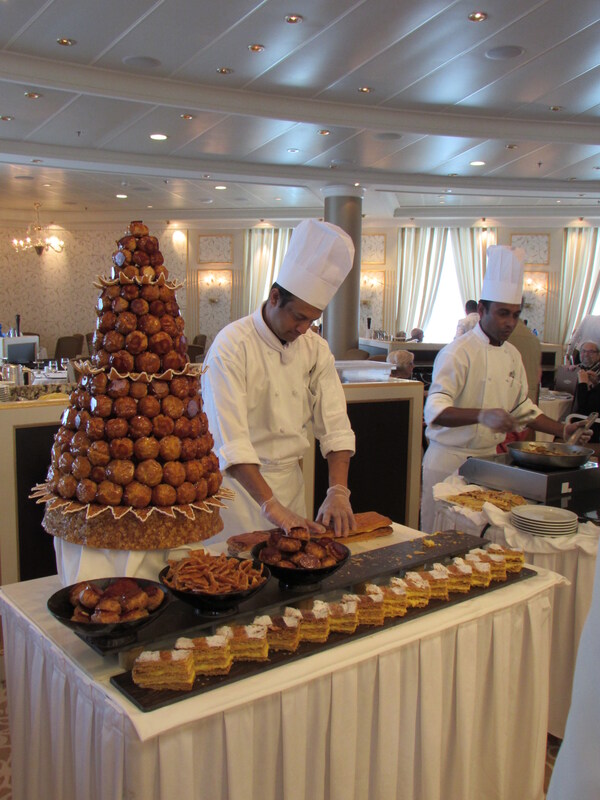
[(573, 556), (450, 704)]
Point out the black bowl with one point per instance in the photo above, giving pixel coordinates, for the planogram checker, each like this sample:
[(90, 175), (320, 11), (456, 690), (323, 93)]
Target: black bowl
[(60, 607), (218, 603), (289, 577)]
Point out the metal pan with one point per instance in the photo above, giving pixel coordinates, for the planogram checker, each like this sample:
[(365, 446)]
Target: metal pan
[(551, 455)]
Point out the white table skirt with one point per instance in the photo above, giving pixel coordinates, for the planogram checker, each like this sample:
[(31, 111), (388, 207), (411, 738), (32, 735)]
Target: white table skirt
[(574, 557), (452, 704)]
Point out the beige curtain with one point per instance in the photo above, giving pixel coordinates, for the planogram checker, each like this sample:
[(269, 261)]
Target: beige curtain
[(264, 249), (580, 278), (469, 246), (420, 259)]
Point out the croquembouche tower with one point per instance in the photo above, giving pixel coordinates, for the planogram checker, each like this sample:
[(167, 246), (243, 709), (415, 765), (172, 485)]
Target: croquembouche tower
[(132, 466)]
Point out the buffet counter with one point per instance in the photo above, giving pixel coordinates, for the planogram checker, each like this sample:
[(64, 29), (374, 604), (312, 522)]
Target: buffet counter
[(450, 704)]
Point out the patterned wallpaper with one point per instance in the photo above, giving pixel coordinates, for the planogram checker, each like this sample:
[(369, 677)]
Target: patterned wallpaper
[(53, 292)]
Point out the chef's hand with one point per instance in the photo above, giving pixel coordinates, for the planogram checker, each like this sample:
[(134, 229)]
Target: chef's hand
[(282, 517), (570, 428), (497, 419), (336, 511)]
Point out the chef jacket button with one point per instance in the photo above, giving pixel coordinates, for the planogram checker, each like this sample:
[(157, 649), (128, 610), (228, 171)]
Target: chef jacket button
[(280, 430), (295, 393)]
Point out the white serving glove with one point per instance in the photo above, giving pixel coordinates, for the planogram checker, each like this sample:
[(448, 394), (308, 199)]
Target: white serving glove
[(282, 517), (336, 511), (497, 419)]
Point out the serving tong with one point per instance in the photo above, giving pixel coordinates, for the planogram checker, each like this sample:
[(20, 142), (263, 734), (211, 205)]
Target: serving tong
[(576, 435)]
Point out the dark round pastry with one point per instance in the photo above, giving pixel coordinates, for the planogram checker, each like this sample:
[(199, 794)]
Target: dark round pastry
[(122, 361), (149, 406), (120, 304), (170, 448), (173, 360), (101, 359), (149, 244), (98, 474), (82, 418), (79, 444), (137, 495), (147, 362), (186, 493), (214, 481), (180, 344), (68, 418), (173, 473), (141, 259), (150, 292), (159, 388), (159, 269), (157, 307), (97, 338), (67, 486), (102, 405), (149, 324), (194, 426), (120, 471), (188, 449), (121, 448), (146, 447), (149, 472), (183, 428), (118, 388), (136, 342), (193, 471), (172, 406), (164, 495), (130, 291), (98, 383), (131, 271), (139, 306), (126, 322), (81, 468), (64, 435), (138, 389), (137, 228), (116, 428), (165, 293), (162, 426), (125, 407), (157, 260), (179, 386), (109, 493), (172, 307), (107, 321), (98, 454), (94, 428), (65, 462), (147, 272), (169, 325), (203, 445), (201, 490), (86, 491), (128, 242), (160, 343), (140, 426)]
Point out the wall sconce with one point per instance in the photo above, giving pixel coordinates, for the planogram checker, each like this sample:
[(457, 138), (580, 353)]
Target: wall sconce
[(370, 282)]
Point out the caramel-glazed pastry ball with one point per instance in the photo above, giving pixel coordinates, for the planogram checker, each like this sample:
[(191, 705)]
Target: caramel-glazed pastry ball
[(99, 454), (137, 228), (180, 344), (186, 493), (170, 448), (141, 259), (81, 468), (204, 445), (162, 426), (194, 426), (109, 493), (137, 495), (121, 472), (68, 418), (173, 360), (128, 242), (136, 342), (159, 269), (107, 321), (203, 420), (131, 271), (169, 325), (101, 359), (149, 244), (172, 406), (164, 495), (138, 389), (172, 307), (120, 304), (149, 472), (125, 407), (149, 324), (130, 291), (97, 339), (122, 361), (147, 362), (213, 482), (121, 448), (149, 292), (67, 486), (157, 307), (80, 444), (98, 474), (160, 343), (101, 406), (201, 490), (64, 436), (159, 388), (173, 473), (148, 272), (116, 428), (149, 406), (82, 419), (179, 386), (146, 447), (94, 428), (188, 449), (193, 471), (65, 462), (139, 306), (165, 293), (118, 388), (126, 322), (157, 260), (183, 428), (86, 491), (140, 426)]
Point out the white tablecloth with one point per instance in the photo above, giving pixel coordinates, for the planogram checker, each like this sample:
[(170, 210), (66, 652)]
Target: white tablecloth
[(449, 705), (574, 557)]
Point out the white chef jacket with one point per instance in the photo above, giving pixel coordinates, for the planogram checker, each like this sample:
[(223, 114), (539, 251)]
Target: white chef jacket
[(470, 373), (260, 397), (466, 324)]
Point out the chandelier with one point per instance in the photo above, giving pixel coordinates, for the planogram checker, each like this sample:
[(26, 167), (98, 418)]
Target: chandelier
[(38, 237)]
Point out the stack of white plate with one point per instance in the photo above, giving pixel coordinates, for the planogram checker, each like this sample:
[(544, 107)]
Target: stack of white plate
[(544, 520)]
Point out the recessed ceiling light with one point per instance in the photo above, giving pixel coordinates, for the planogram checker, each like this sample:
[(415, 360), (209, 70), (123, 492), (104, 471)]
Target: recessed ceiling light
[(477, 16), (224, 70), (511, 146), (6, 118), (186, 117), (477, 163), (448, 191), (293, 19), (558, 201), (46, 185), (220, 188), (323, 132), (206, 175), (555, 108), (64, 42), (149, 206), (365, 89), (278, 199), (206, 201), (295, 150), (357, 183), (504, 52), (141, 62), (32, 95), (256, 48), (159, 137), (121, 196)]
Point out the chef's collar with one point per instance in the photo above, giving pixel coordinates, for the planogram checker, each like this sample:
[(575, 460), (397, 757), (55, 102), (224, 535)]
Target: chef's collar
[(274, 342), (484, 337)]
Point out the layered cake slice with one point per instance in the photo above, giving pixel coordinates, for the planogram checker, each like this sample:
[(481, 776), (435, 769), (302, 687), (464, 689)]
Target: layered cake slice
[(438, 582), (418, 590), (459, 577), (343, 616), (369, 608), (164, 669), (482, 573), (212, 654), (283, 633), (394, 599), (313, 622), (514, 556), (246, 642), (496, 561)]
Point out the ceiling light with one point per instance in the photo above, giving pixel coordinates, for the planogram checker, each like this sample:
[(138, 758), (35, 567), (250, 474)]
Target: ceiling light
[(477, 163), (38, 238), (504, 52), (32, 95), (206, 200), (64, 42), (149, 206), (206, 175), (256, 48), (6, 118), (477, 16), (224, 70), (558, 201), (295, 150), (365, 89), (293, 19), (46, 185), (121, 196), (220, 188), (159, 137), (511, 146), (357, 183), (555, 108), (186, 117), (323, 132)]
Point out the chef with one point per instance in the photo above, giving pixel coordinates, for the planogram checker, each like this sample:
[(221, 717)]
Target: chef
[(479, 386), (268, 378)]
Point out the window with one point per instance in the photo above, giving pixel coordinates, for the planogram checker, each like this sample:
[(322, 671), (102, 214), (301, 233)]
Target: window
[(448, 307)]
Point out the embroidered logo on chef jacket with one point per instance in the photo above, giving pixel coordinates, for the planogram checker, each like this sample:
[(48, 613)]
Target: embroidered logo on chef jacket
[(511, 377)]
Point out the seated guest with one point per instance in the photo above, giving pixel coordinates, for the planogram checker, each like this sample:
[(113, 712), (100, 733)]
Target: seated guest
[(587, 395), (467, 323), (403, 361), (416, 335), (587, 330)]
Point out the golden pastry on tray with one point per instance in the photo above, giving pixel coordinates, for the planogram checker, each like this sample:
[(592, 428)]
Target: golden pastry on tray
[(475, 499)]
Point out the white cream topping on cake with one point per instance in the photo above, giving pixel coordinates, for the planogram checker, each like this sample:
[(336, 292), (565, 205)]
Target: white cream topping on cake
[(437, 567), (264, 620), (460, 564), (416, 579), (154, 655), (349, 606), (351, 597), (398, 590), (183, 643), (255, 631), (290, 611), (226, 631), (216, 641), (372, 588), (291, 622), (399, 582), (320, 609)]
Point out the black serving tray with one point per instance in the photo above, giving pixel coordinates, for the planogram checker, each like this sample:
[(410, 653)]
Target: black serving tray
[(150, 700), (180, 618)]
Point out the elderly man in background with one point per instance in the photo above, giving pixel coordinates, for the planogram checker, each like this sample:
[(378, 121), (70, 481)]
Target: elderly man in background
[(479, 388), (587, 394), (403, 361), (467, 323), (587, 331)]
